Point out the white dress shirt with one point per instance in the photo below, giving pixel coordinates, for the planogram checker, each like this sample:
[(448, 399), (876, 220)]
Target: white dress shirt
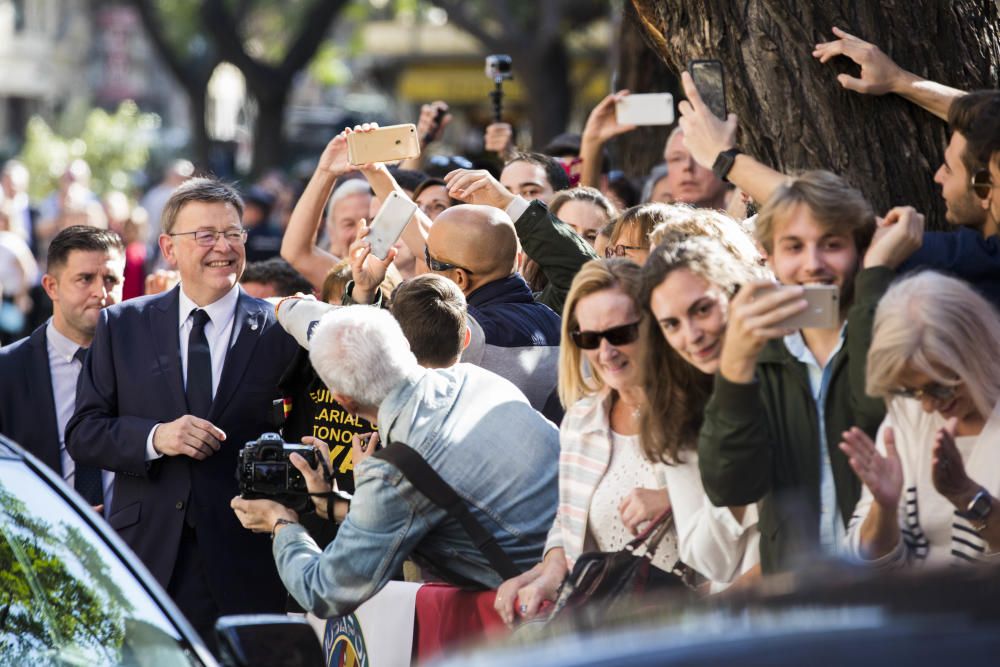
[(65, 371), (218, 331)]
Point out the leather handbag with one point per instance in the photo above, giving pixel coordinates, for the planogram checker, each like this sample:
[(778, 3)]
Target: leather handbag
[(600, 578)]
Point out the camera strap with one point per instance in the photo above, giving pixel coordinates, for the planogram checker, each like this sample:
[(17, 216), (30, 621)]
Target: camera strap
[(424, 478)]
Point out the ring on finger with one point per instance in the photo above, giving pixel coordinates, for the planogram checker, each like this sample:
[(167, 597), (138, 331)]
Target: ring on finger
[(524, 609)]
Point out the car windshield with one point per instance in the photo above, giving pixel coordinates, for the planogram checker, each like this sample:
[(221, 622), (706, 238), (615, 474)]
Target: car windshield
[(65, 596)]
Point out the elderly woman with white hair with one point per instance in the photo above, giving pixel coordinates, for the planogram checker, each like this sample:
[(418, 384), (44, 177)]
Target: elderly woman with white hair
[(932, 477)]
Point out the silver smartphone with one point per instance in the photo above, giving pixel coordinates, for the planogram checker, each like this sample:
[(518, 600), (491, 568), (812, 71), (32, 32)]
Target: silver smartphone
[(389, 223), (823, 311), (645, 109)]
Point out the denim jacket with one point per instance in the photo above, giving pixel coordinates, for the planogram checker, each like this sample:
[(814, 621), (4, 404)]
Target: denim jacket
[(478, 431)]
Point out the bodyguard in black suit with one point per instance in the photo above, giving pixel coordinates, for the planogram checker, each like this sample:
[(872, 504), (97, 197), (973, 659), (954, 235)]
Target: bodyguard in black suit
[(39, 373), (175, 384)]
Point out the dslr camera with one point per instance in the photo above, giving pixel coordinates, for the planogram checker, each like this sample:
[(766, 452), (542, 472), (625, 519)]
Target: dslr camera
[(264, 471)]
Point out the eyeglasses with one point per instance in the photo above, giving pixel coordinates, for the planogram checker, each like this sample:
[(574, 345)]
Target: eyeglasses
[(620, 250), (934, 391), (207, 238), (436, 265), (620, 335), (982, 183)]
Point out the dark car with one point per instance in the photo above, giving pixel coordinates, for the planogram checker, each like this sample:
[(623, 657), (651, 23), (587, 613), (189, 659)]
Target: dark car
[(836, 615), (72, 593)]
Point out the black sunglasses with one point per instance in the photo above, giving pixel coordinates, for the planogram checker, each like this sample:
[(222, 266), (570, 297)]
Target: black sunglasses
[(620, 335), (437, 265)]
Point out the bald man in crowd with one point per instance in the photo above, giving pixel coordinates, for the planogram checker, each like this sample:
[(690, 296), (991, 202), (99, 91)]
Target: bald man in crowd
[(512, 335)]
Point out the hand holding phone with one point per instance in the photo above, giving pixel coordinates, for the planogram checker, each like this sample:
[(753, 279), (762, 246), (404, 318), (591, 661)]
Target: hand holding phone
[(389, 223), (821, 312)]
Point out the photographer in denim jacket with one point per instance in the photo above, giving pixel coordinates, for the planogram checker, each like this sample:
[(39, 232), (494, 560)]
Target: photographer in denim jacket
[(467, 423)]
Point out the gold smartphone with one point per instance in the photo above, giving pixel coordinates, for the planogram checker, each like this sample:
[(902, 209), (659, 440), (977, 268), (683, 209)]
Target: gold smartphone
[(386, 144), (823, 311)]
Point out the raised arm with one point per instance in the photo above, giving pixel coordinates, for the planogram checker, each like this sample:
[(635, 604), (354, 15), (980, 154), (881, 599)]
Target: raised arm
[(298, 247), (601, 127), (706, 135), (880, 74)]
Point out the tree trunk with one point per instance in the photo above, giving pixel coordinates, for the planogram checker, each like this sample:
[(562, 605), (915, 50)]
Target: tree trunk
[(545, 74), (794, 115), (269, 136), (199, 143), (640, 70)]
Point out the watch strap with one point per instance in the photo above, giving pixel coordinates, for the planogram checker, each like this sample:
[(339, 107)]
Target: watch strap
[(724, 163)]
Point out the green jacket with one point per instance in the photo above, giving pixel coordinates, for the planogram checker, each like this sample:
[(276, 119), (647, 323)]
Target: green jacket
[(760, 441), (559, 251)]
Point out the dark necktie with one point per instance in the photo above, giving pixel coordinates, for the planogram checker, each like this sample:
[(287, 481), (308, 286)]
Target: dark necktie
[(199, 368), (87, 478)]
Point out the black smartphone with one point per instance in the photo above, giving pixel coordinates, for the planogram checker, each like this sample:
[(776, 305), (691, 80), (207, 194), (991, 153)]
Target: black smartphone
[(710, 80)]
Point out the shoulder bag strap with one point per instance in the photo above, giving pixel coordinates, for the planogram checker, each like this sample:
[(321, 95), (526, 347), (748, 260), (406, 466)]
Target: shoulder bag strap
[(429, 483)]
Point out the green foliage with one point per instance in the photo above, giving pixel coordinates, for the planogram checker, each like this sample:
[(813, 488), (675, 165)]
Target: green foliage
[(114, 145)]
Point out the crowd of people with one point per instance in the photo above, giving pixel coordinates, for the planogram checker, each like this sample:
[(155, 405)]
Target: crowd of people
[(573, 356)]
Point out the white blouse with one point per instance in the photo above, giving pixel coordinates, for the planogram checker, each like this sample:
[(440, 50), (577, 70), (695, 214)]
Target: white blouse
[(627, 470)]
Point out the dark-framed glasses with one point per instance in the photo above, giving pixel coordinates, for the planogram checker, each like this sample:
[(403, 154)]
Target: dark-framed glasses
[(934, 391), (620, 335), (620, 250), (207, 238), (437, 265), (982, 183)]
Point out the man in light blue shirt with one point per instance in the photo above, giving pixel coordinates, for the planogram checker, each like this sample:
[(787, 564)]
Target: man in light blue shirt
[(476, 429)]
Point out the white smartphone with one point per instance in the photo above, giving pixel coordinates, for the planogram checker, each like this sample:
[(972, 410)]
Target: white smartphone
[(645, 109), (385, 144), (389, 223), (823, 311)]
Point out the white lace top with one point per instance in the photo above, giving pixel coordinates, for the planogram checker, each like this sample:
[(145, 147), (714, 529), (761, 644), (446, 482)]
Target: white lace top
[(627, 470)]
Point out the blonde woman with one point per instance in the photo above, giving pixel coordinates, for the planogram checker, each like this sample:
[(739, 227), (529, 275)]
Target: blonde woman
[(607, 488), (932, 478)]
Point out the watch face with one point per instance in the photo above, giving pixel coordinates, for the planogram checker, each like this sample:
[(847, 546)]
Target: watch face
[(980, 506)]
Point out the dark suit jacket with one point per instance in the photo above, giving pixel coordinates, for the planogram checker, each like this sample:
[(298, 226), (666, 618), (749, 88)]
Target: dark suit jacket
[(27, 404), (130, 382)]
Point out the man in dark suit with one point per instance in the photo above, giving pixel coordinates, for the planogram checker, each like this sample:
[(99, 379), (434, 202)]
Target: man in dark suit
[(175, 384), (38, 390)]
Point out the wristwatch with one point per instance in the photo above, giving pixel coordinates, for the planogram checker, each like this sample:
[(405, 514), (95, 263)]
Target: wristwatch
[(978, 509), (724, 162)]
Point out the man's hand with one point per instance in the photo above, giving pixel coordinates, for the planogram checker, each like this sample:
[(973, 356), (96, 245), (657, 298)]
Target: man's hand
[(883, 475), (499, 138), (705, 134), (427, 129), (260, 515), (362, 447), (754, 318), (188, 436), (642, 505), (602, 123), (477, 186), (367, 270), (879, 74), (317, 479), (899, 235), (334, 160), (161, 280)]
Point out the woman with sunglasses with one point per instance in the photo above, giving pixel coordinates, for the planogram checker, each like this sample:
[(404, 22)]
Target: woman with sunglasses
[(687, 284), (607, 488), (932, 478)]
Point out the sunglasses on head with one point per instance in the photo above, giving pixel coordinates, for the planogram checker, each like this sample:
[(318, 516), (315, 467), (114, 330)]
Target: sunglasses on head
[(620, 335), (934, 391)]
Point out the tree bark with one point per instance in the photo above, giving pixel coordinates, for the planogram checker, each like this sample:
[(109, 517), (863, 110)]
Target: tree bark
[(793, 113)]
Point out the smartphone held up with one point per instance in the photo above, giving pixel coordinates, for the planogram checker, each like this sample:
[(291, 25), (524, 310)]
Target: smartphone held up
[(645, 109), (385, 144), (822, 311), (389, 223), (710, 80)]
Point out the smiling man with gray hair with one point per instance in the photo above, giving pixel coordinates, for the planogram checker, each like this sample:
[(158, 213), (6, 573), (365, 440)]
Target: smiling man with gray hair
[(475, 429)]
